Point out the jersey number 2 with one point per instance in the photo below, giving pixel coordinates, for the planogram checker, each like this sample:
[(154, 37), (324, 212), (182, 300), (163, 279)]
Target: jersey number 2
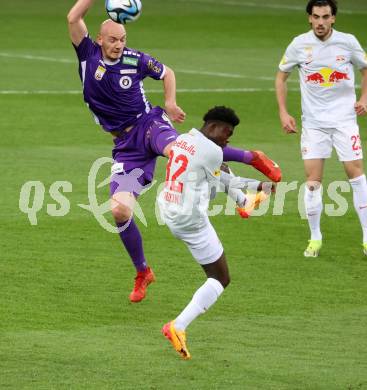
[(172, 182), (356, 142)]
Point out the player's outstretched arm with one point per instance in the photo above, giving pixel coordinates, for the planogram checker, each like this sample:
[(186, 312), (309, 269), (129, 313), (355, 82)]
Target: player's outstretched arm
[(175, 113), (361, 106), (77, 27), (287, 121)]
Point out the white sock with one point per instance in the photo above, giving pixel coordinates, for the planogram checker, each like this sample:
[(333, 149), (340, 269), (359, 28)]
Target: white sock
[(203, 298), (359, 187), (313, 205)]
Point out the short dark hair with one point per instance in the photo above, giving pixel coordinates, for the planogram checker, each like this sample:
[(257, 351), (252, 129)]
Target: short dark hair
[(222, 114), (322, 3)]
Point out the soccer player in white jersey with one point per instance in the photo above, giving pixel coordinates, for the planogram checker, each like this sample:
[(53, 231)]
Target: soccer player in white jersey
[(193, 172), (325, 59)]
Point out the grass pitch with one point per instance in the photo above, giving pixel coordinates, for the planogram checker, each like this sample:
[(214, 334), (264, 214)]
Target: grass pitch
[(285, 322)]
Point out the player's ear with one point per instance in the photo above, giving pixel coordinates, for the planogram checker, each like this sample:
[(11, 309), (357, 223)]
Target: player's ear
[(212, 127), (99, 39)]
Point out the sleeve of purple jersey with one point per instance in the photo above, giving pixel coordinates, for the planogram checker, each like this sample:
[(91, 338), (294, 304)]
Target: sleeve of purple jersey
[(238, 155), (150, 67), (85, 48)]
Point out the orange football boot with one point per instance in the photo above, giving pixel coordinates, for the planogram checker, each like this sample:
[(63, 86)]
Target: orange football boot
[(142, 281), (266, 166), (177, 339), (252, 202)]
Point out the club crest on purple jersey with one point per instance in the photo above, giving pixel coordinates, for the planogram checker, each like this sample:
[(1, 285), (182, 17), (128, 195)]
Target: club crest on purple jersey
[(125, 82)]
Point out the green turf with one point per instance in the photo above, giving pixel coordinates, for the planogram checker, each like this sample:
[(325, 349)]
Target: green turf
[(65, 321)]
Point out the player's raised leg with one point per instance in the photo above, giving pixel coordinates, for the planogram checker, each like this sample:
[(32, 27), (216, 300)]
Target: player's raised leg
[(257, 159), (313, 204), (122, 206), (357, 180)]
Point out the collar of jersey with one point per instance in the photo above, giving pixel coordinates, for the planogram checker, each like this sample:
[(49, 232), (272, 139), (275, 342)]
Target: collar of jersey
[(108, 62), (329, 40), (194, 131)]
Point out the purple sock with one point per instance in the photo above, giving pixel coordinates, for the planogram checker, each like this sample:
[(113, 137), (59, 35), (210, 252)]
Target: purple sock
[(238, 155), (133, 243)]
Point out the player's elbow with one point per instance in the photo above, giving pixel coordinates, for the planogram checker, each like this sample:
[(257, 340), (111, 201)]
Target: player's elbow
[(72, 18)]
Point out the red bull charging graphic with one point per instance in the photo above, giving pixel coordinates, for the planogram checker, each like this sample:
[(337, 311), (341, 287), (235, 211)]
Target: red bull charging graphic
[(326, 77)]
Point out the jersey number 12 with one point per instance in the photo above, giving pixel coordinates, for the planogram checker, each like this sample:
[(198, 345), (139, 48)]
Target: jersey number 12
[(171, 181)]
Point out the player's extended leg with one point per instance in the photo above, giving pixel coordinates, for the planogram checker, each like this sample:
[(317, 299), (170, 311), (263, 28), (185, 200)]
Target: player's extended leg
[(257, 159), (202, 300), (357, 180), (122, 206), (313, 204)]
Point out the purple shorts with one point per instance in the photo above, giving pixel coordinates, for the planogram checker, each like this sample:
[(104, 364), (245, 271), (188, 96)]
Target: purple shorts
[(138, 150)]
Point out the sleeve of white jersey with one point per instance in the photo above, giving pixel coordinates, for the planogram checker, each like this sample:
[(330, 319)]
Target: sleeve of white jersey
[(289, 60), (359, 56)]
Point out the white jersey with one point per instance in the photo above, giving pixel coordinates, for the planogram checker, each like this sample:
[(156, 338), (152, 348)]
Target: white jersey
[(326, 77), (192, 171)]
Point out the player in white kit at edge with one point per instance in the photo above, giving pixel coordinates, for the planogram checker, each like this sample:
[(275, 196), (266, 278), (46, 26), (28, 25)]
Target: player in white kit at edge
[(192, 174), (325, 59)]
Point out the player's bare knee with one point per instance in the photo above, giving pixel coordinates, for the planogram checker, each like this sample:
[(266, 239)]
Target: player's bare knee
[(121, 213), (354, 168)]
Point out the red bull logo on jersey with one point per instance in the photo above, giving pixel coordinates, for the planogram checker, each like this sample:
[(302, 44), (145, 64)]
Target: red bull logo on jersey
[(326, 77), (185, 146)]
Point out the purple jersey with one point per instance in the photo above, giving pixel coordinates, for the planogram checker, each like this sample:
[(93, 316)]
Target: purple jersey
[(140, 147), (114, 91)]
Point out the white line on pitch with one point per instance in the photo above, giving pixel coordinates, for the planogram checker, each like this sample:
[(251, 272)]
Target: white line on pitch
[(229, 75), (39, 92), (184, 71), (179, 90), (39, 58), (264, 5)]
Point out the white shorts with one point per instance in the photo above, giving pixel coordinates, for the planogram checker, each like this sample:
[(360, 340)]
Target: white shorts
[(318, 143), (203, 244)]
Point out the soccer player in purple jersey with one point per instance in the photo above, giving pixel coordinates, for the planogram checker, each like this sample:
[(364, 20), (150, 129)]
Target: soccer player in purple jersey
[(112, 76)]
